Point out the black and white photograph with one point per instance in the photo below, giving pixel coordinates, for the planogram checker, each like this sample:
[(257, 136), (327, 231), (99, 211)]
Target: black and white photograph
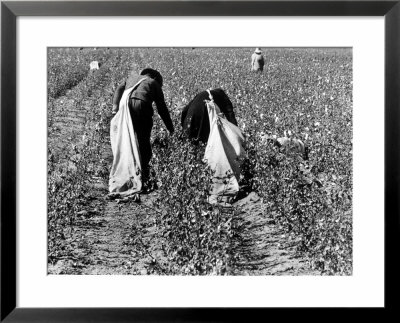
[(223, 161)]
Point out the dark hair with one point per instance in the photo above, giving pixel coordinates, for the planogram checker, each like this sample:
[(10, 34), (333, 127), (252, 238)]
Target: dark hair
[(153, 74), (220, 91)]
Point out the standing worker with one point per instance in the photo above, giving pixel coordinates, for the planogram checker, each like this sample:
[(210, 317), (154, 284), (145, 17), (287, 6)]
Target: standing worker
[(257, 60), (131, 140)]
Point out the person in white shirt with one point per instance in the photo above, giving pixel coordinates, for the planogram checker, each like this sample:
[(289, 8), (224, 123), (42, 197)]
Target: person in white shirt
[(257, 61)]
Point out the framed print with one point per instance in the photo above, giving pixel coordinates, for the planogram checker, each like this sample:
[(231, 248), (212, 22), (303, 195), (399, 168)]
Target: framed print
[(197, 160)]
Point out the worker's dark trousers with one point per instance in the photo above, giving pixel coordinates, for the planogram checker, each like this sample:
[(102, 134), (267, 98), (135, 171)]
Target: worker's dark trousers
[(142, 120)]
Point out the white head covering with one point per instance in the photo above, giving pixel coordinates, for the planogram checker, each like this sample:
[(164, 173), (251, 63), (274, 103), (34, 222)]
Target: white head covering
[(258, 50)]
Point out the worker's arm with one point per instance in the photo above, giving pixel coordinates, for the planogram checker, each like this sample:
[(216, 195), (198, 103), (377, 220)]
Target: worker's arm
[(186, 108), (229, 114), (117, 96), (162, 107)]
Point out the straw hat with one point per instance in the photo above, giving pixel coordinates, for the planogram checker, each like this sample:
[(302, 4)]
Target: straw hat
[(258, 50)]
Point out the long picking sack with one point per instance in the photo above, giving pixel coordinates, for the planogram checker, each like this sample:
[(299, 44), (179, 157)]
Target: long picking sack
[(125, 176), (224, 153)]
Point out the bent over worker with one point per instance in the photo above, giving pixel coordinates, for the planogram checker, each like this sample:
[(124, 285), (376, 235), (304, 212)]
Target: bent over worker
[(195, 120), (209, 118), (147, 90)]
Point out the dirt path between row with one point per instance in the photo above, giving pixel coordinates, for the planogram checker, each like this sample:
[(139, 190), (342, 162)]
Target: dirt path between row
[(121, 238), (263, 249)]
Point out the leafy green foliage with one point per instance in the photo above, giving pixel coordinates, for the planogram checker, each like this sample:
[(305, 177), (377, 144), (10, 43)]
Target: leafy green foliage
[(197, 234), (80, 153), (69, 66), (304, 92)]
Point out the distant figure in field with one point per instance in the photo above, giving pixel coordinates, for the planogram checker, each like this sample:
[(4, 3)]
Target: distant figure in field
[(257, 61), (290, 145), (131, 139), (293, 145), (94, 65), (195, 120)]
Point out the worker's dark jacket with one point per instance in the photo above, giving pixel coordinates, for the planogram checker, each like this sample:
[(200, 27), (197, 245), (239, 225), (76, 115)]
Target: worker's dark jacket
[(148, 91), (194, 119)]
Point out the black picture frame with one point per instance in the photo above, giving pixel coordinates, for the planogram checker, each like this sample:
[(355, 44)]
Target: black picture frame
[(10, 10)]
